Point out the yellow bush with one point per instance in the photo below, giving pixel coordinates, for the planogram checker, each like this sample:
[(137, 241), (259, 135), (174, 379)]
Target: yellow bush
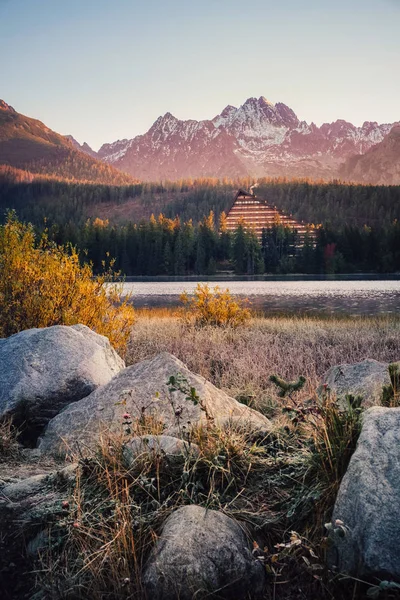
[(44, 284), (214, 307)]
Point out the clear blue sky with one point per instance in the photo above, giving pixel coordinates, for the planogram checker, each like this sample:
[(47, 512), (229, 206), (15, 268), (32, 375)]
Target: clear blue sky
[(106, 69)]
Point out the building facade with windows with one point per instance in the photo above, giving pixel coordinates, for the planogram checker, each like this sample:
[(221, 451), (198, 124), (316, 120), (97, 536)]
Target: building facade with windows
[(256, 214)]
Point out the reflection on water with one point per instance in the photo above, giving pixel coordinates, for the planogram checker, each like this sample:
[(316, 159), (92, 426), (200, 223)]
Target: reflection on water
[(352, 297)]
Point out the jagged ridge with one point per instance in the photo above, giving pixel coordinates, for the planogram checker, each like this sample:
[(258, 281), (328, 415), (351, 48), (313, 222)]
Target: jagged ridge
[(258, 138)]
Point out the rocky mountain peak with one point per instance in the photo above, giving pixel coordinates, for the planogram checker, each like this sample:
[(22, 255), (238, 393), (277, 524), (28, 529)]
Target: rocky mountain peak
[(287, 114), (82, 147), (164, 119), (258, 138), (165, 124), (380, 164), (263, 100), (260, 102), (227, 112), (6, 107), (265, 113)]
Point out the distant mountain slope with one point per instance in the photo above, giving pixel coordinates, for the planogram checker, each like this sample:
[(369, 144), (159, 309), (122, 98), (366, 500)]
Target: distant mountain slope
[(257, 139), (82, 147), (380, 165), (28, 144), (174, 149)]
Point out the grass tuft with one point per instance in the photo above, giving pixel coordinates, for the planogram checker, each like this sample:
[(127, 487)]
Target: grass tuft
[(10, 449)]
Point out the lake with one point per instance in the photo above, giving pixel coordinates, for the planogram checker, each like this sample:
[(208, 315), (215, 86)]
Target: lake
[(353, 297)]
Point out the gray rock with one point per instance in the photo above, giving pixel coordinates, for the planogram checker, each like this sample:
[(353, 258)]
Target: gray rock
[(366, 379), (365, 529), (172, 447), (31, 514), (141, 390), (202, 552), (29, 505), (43, 370), (37, 486)]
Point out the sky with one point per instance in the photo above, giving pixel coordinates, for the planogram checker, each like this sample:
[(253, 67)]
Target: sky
[(104, 70)]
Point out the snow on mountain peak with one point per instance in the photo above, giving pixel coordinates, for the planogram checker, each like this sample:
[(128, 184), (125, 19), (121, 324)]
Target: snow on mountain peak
[(258, 138), (227, 112)]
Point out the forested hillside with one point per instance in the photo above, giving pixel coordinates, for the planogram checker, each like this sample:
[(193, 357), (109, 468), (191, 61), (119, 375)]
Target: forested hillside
[(334, 204), (28, 144), (357, 227)]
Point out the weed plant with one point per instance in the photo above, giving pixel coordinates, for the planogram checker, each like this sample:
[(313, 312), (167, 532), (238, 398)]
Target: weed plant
[(391, 392), (10, 449)]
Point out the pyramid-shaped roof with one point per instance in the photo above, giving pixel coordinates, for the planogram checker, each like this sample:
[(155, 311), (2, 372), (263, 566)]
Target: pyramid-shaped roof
[(257, 214)]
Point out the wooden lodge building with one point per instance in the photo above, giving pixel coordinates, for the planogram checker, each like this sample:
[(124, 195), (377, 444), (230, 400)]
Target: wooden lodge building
[(256, 214)]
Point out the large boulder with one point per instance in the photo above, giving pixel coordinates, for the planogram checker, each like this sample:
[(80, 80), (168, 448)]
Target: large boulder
[(201, 553), (141, 391), (365, 529), (43, 370), (365, 379)]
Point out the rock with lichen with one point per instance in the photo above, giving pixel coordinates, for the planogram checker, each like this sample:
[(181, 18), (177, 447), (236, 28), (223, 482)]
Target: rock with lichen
[(365, 527)]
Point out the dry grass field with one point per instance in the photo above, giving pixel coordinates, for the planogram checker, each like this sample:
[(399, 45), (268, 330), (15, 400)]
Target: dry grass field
[(240, 361)]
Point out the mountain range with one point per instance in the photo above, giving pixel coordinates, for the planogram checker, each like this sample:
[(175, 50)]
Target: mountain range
[(257, 139), (380, 164)]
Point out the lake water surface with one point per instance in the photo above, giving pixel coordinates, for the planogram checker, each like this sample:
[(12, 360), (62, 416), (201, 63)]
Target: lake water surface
[(355, 297)]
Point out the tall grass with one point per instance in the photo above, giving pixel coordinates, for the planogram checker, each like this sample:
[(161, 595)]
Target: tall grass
[(241, 360), (116, 509)]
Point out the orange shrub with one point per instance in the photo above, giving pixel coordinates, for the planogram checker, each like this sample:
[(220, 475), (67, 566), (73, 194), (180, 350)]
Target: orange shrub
[(44, 284), (214, 307)]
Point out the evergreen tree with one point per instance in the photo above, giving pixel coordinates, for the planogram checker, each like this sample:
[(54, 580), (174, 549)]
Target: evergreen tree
[(239, 253), (179, 258), (167, 259)]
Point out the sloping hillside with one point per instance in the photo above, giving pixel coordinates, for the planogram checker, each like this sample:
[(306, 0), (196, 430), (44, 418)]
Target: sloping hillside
[(380, 165), (28, 144)]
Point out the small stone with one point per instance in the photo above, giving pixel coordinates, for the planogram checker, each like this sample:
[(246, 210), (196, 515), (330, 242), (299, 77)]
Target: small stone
[(170, 446)]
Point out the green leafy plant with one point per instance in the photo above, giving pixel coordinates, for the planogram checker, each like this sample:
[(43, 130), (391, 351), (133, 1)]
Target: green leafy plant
[(384, 587), (179, 383), (287, 388)]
